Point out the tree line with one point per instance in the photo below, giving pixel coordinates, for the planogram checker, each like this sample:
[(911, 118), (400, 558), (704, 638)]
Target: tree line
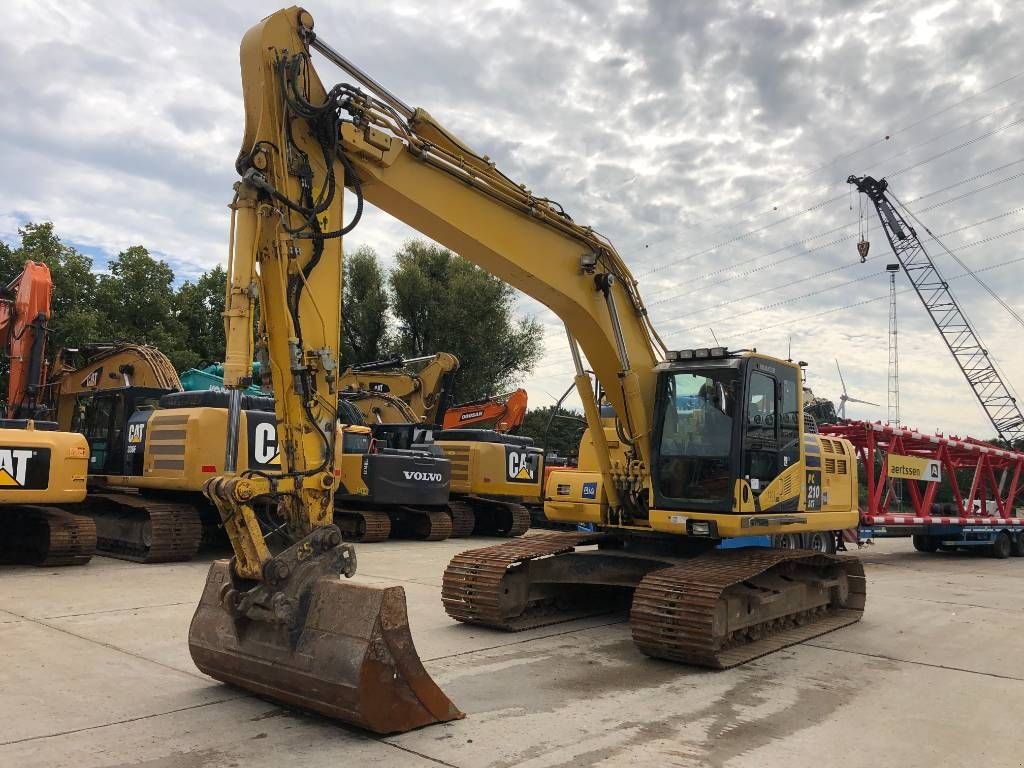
[(430, 301)]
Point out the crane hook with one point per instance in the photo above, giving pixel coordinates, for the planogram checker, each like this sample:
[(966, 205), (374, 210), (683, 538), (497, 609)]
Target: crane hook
[(863, 246)]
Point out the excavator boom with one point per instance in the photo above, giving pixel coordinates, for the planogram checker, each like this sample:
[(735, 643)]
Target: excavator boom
[(502, 413), (277, 619)]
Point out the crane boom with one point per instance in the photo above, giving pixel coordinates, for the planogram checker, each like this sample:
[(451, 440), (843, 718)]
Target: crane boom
[(958, 333)]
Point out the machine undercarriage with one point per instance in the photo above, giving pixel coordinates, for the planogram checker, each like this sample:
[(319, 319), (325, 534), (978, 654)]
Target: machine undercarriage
[(712, 608)]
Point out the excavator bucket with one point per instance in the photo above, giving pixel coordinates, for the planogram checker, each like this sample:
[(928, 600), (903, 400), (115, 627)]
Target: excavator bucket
[(352, 657)]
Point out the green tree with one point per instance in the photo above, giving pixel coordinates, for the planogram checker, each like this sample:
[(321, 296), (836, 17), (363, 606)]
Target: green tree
[(365, 334), (444, 303), (137, 302), (75, 318), (199, 307), (560, 434)]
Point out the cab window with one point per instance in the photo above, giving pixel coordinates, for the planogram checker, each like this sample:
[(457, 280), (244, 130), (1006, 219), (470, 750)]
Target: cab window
[(695, 453), (760, 437), (789, 423)]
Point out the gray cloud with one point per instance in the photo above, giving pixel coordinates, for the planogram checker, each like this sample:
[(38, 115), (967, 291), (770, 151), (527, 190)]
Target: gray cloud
[(676, 128)]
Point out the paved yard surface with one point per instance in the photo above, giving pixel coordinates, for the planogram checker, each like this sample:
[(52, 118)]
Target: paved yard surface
[(94, 671)]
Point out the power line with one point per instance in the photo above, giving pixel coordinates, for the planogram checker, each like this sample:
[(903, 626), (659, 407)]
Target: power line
[(988, 289), (824, 203), (850, 265), (887, 160), (790, 300), (863, 302), (776, 262), (875, 143), (564, 371)]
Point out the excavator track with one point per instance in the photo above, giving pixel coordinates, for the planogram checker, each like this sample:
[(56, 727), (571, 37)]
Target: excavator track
[(499, 518), (432, 526), (716, 609), (364, 526), (143, 530), (463, 519), (728, 607), (46, 536), (472, 588)]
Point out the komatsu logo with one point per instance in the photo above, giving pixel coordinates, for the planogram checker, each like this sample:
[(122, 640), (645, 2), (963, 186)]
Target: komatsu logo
[(14, 466), (470, 415), (423, 477)]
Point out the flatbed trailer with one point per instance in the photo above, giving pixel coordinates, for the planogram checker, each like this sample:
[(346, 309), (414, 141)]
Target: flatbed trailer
[(984, 481)]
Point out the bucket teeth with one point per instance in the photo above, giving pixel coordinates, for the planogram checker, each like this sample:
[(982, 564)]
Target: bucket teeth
[(350, 658)]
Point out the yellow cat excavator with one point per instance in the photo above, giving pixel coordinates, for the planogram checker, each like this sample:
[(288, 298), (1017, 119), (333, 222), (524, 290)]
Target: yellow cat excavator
[(153, 447), (39, 466), (713, 446)]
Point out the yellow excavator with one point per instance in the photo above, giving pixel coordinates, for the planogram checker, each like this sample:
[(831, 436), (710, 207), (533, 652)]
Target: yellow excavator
[(424, 384), (154, 446), (492, 472), (713, 446), (42, 469)]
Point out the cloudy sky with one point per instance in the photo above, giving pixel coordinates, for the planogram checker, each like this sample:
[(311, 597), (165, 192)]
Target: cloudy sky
[(710, 140)]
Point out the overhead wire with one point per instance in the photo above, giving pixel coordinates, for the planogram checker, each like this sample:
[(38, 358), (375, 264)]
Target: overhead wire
[(841, 267), (824, 203), (884, 161), (776, 262)]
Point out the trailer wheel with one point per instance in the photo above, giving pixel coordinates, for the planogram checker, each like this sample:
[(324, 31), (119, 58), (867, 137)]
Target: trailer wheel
[(1018, 545), (1002, 546), (925, 543), (821, 541), (787, 541)]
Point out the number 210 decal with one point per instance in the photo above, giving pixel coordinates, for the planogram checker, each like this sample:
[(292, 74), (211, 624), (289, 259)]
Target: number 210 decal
[(813, 489)]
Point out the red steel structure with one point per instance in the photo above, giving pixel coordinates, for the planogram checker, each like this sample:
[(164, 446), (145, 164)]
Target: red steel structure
[(984, 478)]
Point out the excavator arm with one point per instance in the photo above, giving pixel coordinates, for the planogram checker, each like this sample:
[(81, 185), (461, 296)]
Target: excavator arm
[(505, 412), (276, 619), (425, 390), (24, 313)]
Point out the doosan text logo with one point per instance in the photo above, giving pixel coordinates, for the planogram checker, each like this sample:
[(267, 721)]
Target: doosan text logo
[(424, 477)]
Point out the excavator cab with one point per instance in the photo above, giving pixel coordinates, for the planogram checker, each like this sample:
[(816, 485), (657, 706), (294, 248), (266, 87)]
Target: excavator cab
[(103, 417), (726, 430), (728, 447)]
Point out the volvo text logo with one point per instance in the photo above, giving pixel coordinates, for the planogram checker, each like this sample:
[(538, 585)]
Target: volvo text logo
[(428, 477)]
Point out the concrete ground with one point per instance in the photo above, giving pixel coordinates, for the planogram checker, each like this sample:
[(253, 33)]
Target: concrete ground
[(94, 671)]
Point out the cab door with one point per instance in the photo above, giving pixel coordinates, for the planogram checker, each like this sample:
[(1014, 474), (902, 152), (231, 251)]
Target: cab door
[(760, 441)]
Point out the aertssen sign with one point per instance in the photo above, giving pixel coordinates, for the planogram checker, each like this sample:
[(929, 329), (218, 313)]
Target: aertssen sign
[(915, 468)]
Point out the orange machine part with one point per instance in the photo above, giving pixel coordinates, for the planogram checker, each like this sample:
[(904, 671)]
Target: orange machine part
[(23, 315), (506, 412)]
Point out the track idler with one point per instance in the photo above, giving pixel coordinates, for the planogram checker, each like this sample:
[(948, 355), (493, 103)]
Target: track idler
[(305, 639)]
